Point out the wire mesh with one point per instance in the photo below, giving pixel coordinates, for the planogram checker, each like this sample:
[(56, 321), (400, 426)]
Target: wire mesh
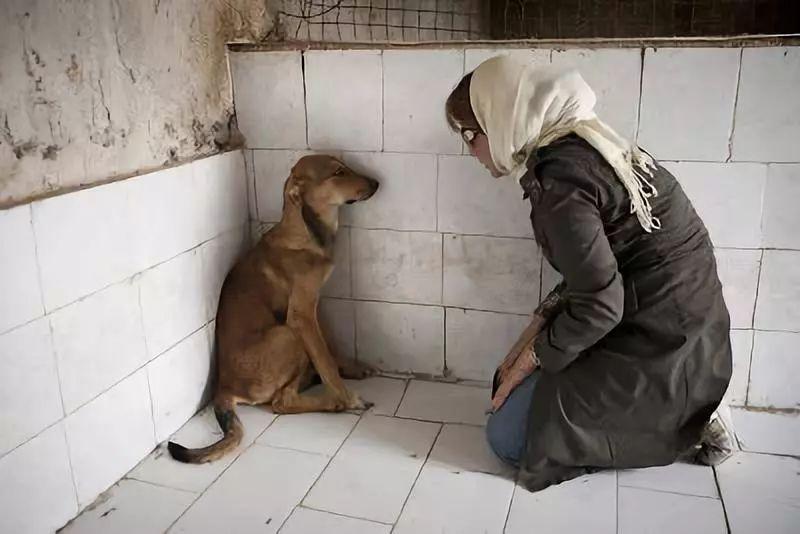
[(444, 20)]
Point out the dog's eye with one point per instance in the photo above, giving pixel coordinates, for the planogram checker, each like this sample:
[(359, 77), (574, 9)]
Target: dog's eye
[(339, 171)]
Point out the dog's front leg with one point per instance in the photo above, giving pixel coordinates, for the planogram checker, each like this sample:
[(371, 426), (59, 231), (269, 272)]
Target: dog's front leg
[(302, 319)]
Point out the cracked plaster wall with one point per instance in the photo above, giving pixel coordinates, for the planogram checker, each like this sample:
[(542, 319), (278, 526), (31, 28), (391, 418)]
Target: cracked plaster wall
[(96, 89)]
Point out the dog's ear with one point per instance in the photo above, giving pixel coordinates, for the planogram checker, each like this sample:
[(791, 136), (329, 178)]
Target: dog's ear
[(294, 189)]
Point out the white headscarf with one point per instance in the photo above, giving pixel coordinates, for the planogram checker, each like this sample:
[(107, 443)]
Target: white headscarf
[(522, 107)]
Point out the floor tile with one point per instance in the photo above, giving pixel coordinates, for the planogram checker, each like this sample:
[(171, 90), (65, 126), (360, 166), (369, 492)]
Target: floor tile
[(132, 507), (585, 504), (460, 473), (320, 433), (384, 393), (448, 403), (761, 493), (200, 430), (765, 432), (688, 479), (306, 521), (256, 494), (374, 471), (654, 512)]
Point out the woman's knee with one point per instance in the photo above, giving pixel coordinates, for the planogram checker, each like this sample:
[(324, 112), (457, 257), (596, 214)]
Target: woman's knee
[(502, 440)]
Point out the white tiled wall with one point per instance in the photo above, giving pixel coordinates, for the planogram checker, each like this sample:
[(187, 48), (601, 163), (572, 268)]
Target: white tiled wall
[(443, 266), (108, 296)]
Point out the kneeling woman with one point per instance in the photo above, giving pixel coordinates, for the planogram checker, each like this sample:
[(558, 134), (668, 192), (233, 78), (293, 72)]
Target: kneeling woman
[(635, 355)]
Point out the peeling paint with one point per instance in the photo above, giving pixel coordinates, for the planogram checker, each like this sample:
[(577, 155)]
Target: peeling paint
[(101, 89)]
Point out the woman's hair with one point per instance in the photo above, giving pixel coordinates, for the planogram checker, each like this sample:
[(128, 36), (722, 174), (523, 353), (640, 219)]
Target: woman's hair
[(459, 109)]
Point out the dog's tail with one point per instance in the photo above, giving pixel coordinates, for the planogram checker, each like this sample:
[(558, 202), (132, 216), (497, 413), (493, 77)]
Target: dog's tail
[(232, 428)]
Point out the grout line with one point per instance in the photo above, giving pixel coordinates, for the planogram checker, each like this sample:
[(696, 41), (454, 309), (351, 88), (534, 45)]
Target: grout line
[(641, 93), (402, 398), (383, 102), (255, 184), (71, 469), (749, 374), (733, 115), (126, 477), (510, 504), (657, 490), (306, 507), (152, 408), (36, 258), (322, 471), (428, 305), (758, 285), (419, 420), (305, 91), (721, 500), (419, 473)]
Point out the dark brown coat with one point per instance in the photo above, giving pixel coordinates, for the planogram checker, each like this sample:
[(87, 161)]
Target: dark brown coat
[(640, 357)]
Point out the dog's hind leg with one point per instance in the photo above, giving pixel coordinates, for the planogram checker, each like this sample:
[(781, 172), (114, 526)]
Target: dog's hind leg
[(290, 400)]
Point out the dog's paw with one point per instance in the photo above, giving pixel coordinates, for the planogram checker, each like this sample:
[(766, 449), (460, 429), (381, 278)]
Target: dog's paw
[(357, 403), (355, 370)]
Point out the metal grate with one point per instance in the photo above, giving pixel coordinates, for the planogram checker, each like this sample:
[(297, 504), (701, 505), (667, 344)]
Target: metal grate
[(384, 20), (444, 20)]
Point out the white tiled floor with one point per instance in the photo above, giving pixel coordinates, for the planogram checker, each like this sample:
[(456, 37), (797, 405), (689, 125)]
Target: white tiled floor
[(418, 463)]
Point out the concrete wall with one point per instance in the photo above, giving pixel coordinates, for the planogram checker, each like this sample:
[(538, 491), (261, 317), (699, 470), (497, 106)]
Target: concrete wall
[(437, 273), (97, 89), (108, 297)]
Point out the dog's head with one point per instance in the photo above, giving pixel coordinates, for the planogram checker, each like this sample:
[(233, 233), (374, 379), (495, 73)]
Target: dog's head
[(323, 181)]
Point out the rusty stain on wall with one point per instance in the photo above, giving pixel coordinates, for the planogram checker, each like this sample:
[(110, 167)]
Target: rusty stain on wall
[(94, 90)]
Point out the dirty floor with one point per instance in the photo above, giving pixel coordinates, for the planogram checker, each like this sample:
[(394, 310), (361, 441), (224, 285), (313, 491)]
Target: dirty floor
[(417, 463)]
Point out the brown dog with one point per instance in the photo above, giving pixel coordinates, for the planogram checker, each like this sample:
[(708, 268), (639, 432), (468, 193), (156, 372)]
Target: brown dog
[(269, 341)]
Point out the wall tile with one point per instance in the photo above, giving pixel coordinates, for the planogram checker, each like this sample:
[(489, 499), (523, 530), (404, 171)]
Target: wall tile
[(90, 239), (687, 102), (741, 345), (179, 380), (781, 216), (256, 494), (19, 271), (779, 291), (222, 193), (272, 168), (476, 56), (338, 321), (478, 341), (472, 202), (98, 341), (768, 110), (406, 199), (108, 436), (738, 272), (615, 76), (37, 494), (400, 337), (173, 300), (218, 257), (490, 273), (352, 119), (719, 189), (768, 433), (397, 266), (268, 96), (29, 390), (339, 283), (416, 85), (774, 372)]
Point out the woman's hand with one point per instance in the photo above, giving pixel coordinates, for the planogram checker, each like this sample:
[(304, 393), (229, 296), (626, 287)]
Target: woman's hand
[(513, 374)]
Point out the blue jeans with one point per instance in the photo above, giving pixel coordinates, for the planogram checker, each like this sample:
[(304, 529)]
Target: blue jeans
[(507, 428)]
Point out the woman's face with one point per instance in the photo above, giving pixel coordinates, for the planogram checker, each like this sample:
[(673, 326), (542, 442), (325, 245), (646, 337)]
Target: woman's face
[(479, 147)]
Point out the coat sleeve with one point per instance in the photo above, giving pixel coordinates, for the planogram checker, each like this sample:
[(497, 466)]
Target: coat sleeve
[(594, 296)]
